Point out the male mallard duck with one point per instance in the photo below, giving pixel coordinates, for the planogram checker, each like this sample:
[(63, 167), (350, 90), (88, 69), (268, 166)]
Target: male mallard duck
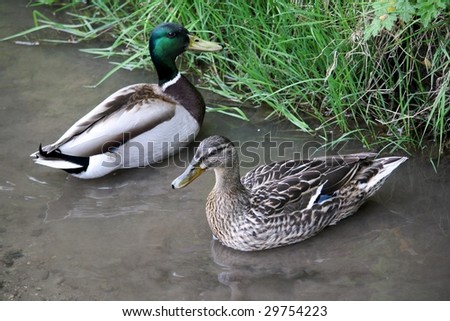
[(139, 124), (283, 202)]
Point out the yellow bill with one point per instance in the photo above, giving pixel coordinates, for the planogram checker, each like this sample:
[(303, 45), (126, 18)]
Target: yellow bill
[(197, 44), (190, 174)]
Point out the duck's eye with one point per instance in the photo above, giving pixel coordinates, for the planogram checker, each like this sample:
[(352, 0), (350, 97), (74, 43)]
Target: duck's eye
[(212, 152), (171, 34)]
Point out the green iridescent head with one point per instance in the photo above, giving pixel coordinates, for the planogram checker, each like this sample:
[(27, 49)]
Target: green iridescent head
[(167, 42)]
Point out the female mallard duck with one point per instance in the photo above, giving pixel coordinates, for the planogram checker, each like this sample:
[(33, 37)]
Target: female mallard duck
[(284, 202), (139, 124)]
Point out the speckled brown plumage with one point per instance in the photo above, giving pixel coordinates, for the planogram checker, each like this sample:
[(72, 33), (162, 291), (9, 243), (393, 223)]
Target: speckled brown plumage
[(285, 202)]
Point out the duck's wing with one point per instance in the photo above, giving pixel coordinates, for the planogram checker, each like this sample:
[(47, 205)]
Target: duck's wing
[(265, 174), (277, 186), (123, 115)]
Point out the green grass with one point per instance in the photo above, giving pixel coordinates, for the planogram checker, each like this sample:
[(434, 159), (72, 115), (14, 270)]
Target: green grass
[(309, 61)]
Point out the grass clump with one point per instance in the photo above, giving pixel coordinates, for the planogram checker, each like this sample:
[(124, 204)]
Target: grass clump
[(379, 70)]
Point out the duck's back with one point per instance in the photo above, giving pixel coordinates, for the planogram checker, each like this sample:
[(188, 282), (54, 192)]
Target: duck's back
[(300, 184)]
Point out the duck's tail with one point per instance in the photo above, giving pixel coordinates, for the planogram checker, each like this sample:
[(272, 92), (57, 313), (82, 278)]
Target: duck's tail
[(371, 176), (56, 159), (383, 167)]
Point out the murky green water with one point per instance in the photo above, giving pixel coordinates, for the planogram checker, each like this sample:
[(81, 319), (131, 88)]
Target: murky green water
[(128, 236)]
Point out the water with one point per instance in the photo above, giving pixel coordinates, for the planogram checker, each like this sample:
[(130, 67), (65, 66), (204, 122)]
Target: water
[(129, 236)]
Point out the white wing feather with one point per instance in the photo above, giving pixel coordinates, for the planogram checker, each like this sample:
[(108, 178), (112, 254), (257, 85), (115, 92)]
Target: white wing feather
[(94, 131)]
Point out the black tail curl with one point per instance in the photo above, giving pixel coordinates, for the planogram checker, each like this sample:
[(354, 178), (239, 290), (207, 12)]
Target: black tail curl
[(83, 161)]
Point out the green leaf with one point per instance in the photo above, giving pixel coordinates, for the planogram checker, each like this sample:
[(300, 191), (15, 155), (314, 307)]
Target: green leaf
[(388, 21), (405, 10), (429, 9), (230, 111), (373, 29)]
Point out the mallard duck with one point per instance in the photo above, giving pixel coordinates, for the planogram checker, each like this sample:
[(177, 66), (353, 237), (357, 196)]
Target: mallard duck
[(139, 124), (284, 202)]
